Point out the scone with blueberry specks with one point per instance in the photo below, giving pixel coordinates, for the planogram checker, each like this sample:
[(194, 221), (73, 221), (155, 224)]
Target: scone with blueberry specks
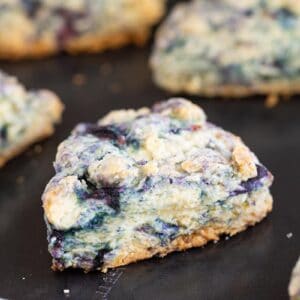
[(36, 28), (230, 48), (294, 286), (149, 182), (25, 116)]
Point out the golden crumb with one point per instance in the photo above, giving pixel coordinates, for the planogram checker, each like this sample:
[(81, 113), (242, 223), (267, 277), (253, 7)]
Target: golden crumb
[(79, 79), (271, 100)]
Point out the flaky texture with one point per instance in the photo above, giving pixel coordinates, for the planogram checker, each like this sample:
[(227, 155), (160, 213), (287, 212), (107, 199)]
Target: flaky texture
[(149, 182), (229, 48), (25, 117), (45, 27), (262, 206)]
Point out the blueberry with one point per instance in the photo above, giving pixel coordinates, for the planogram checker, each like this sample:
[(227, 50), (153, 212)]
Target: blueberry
[(252, 183), (110, 132), (31, 7), (164, 231), (175, 130), (68, 30), (248, 12), (59, 237), (3, 133)]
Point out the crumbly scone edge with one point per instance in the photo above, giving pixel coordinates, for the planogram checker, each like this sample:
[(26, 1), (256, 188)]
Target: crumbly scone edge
[(89, 43), (42, 128)]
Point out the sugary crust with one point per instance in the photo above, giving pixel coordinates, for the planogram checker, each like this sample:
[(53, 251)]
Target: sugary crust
[(262, 205), (41, 128), (15, 49)]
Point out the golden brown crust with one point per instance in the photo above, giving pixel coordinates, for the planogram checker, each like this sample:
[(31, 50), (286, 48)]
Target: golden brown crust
[(261, 206), (196, 239), (88, 44), (278, 88), (42, 128), (19, 44)]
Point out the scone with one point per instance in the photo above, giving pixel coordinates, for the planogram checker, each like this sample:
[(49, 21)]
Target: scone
[(294, 287), (25, 116), (149, 182), (36, 28), (230, 48)]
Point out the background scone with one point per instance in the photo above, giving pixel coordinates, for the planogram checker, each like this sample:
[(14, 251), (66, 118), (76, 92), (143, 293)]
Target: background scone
[(230, 48), (43, 27), (25, 116), (148, 182), (294, 287)]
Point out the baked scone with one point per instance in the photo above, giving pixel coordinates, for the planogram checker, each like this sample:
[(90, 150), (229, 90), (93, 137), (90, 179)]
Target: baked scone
[(36, 28), (147, 182), (294, 287), (230, 48), (25, 116)]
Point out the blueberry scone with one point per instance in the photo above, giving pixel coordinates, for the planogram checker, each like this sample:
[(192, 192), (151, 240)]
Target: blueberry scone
[(294, 287), (230, 48), (25, 116), (149, 182), (35, 28)]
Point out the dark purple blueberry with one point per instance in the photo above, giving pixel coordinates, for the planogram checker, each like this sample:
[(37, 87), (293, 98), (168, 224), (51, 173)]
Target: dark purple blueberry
[(68, 29), (110, 195), (59, 237), (168, 230), (148, 183), (175, 130), (95, 222), (3, 133), (99, 259), (252, 184), (105, 132), (31, 7), (163, 230), (248, 12)]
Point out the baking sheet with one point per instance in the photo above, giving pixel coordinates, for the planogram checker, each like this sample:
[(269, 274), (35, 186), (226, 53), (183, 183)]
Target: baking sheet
[(255, 264)]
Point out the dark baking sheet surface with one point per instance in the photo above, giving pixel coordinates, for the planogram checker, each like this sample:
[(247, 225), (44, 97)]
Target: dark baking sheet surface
[(255, 264)]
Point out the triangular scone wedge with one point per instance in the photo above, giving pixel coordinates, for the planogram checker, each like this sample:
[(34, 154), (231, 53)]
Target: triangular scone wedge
[(149, 182), (294, 286), (230, 48), (25, 116)]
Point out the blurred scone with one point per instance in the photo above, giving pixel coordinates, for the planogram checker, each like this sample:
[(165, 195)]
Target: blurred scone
[(25, 116), (35, 28), (149, 182), (230, 48), (294, 287)]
